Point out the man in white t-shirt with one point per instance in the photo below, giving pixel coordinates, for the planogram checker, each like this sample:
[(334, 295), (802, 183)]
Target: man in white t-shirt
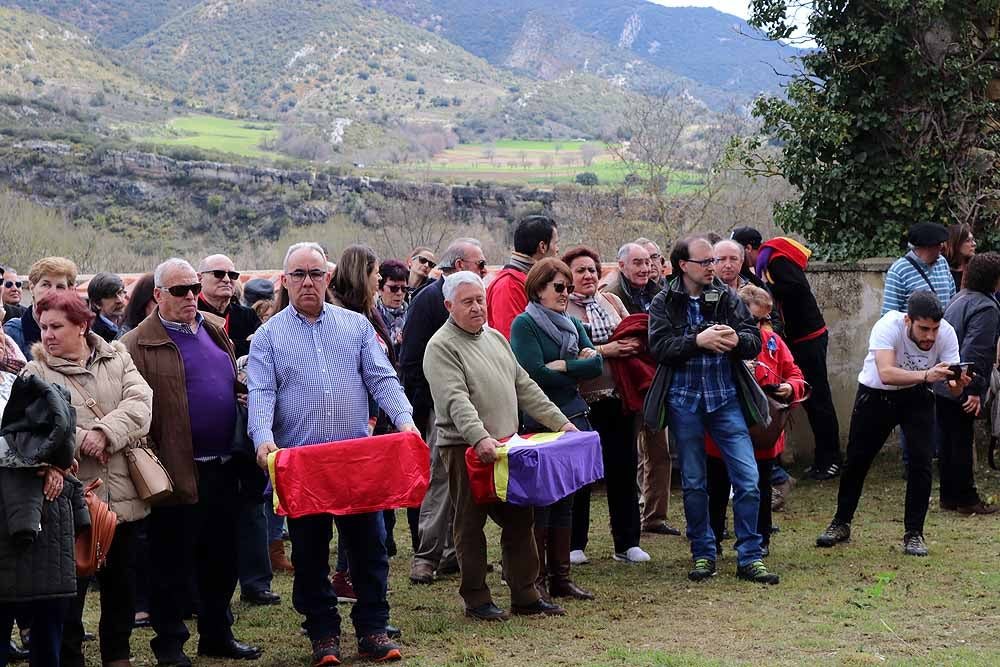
[(906, 353)]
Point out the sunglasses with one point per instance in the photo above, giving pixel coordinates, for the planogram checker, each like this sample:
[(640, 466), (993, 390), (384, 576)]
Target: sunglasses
[(395, 289), (481, 264), (562, 287), (12, 283), (703, 262), (182, 290), (219, 274), (429, 262)]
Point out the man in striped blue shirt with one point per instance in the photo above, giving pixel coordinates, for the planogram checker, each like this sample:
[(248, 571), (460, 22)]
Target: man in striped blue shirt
[(311, 370), (923, 267)]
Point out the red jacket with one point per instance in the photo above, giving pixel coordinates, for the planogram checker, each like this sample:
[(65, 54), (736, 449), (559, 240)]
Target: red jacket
[(634, 374), (505, 300), (775, 365)]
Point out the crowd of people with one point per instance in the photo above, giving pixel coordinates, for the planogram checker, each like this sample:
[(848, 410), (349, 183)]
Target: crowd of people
[(690, 360)]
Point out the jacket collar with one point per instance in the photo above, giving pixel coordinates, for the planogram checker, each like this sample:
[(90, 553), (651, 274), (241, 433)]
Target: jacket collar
[(100, 350), (151, 332)]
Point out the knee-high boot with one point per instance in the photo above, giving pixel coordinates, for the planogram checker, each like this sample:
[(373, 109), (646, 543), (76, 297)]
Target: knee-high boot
[(560, 585)]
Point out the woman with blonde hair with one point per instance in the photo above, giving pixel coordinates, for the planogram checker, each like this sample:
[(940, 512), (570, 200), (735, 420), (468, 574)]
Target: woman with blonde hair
[(49, 274), (420, 264)]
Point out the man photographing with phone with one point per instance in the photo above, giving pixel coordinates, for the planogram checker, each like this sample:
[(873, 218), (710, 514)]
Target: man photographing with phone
[(906, 354)]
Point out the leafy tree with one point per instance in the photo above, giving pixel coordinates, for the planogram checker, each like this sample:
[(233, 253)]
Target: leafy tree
[(886, 123)]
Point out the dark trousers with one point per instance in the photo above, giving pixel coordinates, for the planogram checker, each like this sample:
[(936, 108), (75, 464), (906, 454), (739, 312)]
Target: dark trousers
[(45, 618), (117, 591), (876, 413), (956, 454), (580, 535), (142, 566), (557, 515), (412, 521), (621, 458), (202, 539), (254, 565), (718, 497), (810, 356), (312, 593)]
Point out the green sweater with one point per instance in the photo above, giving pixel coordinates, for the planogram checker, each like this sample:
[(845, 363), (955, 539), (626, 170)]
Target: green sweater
[(534, 348), (478, 386)]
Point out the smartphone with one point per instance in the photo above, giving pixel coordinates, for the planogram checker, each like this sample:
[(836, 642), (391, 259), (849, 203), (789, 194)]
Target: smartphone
[(956, 369)]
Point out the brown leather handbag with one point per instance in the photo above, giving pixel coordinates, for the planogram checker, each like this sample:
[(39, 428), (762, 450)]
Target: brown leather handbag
[(94, 543)]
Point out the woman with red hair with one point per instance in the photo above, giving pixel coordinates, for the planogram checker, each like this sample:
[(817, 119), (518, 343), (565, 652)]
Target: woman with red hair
[(113, 410)]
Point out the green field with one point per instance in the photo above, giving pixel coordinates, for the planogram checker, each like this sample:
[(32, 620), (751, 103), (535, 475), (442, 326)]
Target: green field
[(532, 163), (225, 135)]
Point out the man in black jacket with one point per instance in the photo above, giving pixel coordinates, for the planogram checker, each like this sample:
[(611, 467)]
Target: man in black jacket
[(218, 275), (106, 293), (426, 315), (700, 333)]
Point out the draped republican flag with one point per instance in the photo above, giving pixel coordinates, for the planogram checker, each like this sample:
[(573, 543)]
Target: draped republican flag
[(383, 472), (538, 469)]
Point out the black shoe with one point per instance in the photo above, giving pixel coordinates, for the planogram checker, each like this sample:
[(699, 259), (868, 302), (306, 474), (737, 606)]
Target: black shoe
[(178, 659), (393, 632), (487, 612), (757, 573), (232, 650), (822, 473), (89, 637), (449, 566), (17, 654), (390, 547), (540, 608), (704, 568), (662, 528), (834, 533), (260, 598), (326, 652), (914, 545)]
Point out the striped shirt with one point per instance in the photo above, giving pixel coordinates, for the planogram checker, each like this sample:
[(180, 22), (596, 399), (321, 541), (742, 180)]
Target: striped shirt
[(310, 381), (705, 381), (903, 279)]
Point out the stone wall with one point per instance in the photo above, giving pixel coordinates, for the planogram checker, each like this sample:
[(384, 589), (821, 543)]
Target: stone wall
[(850, 296)]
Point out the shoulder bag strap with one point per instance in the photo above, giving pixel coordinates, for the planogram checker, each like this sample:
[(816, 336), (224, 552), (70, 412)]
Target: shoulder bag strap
[(88, 400), (921, 271)]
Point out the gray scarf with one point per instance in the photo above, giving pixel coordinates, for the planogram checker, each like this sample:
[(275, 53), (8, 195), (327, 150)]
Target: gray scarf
[(557, 326)]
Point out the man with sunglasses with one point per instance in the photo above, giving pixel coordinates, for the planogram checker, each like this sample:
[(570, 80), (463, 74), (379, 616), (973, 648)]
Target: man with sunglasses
[(700, 333), (218, 276), (188, 362), (435, 552), (10, 293)]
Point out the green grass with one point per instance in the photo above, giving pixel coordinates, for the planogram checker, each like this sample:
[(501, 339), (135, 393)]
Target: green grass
[(239, 137), (940, 610)]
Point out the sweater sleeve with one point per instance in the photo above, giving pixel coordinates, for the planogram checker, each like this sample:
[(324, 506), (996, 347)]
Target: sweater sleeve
[(584, 369), (527, 348), (450, 390)]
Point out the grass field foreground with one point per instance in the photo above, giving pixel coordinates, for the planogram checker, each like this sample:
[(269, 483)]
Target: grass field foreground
[(863, 603)]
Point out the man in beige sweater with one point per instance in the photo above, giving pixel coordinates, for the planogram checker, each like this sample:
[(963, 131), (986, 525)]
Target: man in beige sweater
[(477, 387)]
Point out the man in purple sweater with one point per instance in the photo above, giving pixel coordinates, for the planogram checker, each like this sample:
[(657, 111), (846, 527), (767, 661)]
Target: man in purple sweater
[(189, 363)]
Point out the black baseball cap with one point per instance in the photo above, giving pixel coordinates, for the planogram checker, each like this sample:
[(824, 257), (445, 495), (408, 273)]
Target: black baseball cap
[(923, 234), (747, 236)]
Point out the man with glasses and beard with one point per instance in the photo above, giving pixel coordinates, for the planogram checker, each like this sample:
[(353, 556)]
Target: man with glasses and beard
[(907, 352), (189, 363), (700, 333)]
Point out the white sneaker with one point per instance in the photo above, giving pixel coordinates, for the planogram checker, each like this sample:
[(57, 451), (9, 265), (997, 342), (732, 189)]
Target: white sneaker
[(577, 557), (633, 555)]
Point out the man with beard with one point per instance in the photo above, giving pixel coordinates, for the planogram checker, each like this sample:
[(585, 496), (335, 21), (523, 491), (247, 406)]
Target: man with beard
[(106, 293), (906, 353)]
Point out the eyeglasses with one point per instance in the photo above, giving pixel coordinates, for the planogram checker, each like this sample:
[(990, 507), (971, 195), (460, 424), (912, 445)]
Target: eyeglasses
[(562, 287), (220, 274), (429, 262), (395, 289), (655, 258), (12, 283), (703, 262), (315, 275), (180, 291)]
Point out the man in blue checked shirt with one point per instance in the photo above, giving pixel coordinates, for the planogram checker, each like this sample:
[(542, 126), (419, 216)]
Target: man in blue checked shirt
[(699, 333), (311, 370)]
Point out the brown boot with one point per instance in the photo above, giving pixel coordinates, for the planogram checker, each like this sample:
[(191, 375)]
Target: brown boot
[(560, 585), (279, 562), (541, 540)]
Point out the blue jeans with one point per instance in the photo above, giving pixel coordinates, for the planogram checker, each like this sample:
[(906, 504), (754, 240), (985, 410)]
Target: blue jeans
[(362, 537), (729, 431), (275, 523), (46, 623), (778, 475)]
